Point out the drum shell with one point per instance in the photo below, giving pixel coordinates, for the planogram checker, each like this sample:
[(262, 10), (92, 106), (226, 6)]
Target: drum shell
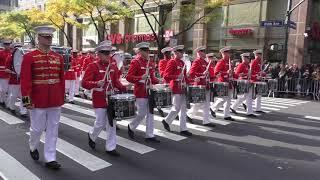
[(243, 86), (123, 106), (197, 94), (162, 97), (220, 89)]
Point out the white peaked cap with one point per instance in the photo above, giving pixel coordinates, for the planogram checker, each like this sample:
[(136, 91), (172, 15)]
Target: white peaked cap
[(201, 48), (44, 30), (166, 49), (210, 55), (143, 45), (245, 55), (258, 51), (179, 47), (227, 48), (7, 41)]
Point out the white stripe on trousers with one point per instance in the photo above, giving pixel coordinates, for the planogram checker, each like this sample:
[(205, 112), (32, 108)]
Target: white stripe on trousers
[(179, 107)]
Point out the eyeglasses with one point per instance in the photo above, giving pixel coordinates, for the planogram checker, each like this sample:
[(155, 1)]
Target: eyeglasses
[(104, 52)]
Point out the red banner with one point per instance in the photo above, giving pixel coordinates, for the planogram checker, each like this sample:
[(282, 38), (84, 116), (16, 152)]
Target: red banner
[(120, 39)]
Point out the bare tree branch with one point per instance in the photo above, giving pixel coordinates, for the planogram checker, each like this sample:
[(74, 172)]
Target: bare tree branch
[(155, 18)]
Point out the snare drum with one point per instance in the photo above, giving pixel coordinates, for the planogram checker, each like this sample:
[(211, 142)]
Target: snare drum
[(221, 89), (123, 106), (161, 95), (261, 88), (243, 86), (197, 94), (273, 84)]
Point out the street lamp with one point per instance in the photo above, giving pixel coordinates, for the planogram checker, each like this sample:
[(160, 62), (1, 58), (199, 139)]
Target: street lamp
[(287, 27)]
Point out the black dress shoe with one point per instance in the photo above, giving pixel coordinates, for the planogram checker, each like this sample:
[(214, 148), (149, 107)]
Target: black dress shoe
[(24, 116), (189, 119), (262, 112), (209, 125), (3, 105), (117, 128), (35, 155), (244, 106), (161, 112), (130, 132), (233, 111), (12, 111), (251, 115), (186, 133), (177, 118), (92, 144), (166, 125), (213, 114), (53, 165), (153, 139), (71, 102), (113, 153), (78, 96), (229, 119)]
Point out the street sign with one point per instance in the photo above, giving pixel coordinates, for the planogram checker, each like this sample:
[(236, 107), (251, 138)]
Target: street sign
[(272, 23), (292, 25)]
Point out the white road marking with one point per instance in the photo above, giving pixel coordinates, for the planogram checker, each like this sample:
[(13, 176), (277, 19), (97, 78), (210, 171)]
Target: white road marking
[(9, 119)]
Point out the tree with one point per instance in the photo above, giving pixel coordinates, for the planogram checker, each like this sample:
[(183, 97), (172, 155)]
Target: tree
[(102, 12), (61, 13), (189, 15)]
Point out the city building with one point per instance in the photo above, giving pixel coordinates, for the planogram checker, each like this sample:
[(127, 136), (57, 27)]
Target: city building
[(7, 5)]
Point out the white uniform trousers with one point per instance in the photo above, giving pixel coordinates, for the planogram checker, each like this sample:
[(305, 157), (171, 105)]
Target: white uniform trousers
[(77, 86), (3, 89), (226, 102), (100, 123), (13, 94), (69, 88), (244, 97), (179, 107), (258, 102), (143, 113), (45, 119), (204, 106)]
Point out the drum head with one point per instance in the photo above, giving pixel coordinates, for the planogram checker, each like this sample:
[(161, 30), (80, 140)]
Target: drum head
[(17, 60)]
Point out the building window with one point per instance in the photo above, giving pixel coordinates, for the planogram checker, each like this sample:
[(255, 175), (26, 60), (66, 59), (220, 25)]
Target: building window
[(142, 26)]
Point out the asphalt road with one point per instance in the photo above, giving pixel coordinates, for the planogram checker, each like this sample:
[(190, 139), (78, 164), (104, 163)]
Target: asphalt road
[(283, 144)]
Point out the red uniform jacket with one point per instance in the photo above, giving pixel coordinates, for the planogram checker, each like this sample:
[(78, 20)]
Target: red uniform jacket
[(42, 78), (255, 69), (93, 74), (3, 57), (76, 65), (222, 68), (171, 74), (197, 68), (70, 74), (136, 70), (86, 61), (243, 68), (13, 78), (162, 66)]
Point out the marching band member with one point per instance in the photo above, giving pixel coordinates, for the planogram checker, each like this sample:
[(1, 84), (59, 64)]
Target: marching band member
[(70, 77), (242, 72), (93, 79), (76, 65), (256, 75), (89, 58), (202, 72), (175, 73), (14, 86), (223, 72), (141, 73), (3, 75), (162, 67), (42, 89)]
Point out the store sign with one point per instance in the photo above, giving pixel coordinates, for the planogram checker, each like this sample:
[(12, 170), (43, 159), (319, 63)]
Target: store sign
[(315, 31), (121, 39), (241, 32)]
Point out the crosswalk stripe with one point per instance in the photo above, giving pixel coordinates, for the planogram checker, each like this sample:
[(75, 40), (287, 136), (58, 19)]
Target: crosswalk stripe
[(291, 133), (126, 143), (280, 103), (284, 100), (239, 112), (313, 118), (157, 132), (85, 101), (156, 117), (215, 121), (265, 104), (80, 156), (12, 169), (9, 119)]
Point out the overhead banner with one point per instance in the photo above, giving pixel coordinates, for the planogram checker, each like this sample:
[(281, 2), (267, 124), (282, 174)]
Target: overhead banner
[(126, 38)]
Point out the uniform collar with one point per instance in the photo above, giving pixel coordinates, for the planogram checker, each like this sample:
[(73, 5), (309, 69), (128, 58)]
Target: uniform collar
[(44, 52)]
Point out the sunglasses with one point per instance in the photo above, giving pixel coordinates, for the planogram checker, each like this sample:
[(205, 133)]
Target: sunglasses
[(145, 49), (47, 36), (180, 50), (104, 52)]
